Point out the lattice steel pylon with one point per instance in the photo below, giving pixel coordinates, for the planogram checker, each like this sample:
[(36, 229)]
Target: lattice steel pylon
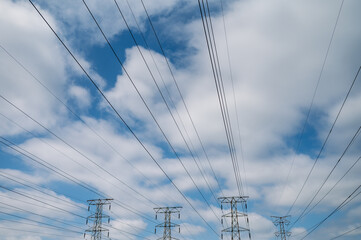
[(236, 229), (97, 217), (281, 222), (167, 225)]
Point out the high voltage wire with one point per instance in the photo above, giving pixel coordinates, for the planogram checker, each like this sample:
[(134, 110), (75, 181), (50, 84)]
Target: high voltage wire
[(72, 159), (149, 110), (79, 152), (37, 214), (61, 209), (119, 116), (345, 233), (325, 141), (358, 159), (327, 177), (76, 115), (65, 201), (32, 203), (37, 232), (234, 94), (69, 177), (41, 201), (31, 186), (313, 97), (340, 206), (72, 111), (219, 87), (163, 98), (47, 225), (178, 89), (59, 227)]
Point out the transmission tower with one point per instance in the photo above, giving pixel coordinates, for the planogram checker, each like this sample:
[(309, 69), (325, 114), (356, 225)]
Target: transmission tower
[(97, 218), (167, 225), (236, 229), (281, 222)]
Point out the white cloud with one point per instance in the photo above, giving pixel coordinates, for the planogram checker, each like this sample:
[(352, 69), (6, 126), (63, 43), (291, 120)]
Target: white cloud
[(81, 96), (277, 51)]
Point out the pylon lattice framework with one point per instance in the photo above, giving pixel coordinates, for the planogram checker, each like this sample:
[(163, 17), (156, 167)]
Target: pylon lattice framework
[(97, 229), (167, 225), (235, 229), (281, 222)]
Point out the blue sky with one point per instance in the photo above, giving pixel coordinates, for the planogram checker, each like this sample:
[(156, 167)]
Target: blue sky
[(276, 49)]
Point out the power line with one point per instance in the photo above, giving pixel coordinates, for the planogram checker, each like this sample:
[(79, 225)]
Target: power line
[(30, 197), (345, 233), (149, 110), (68, 176), (213, 55), (325, 141), (78, 151), (70, 110), (234, 94), (67, 156), (328, 176), (40, 215), (44, 233), (178, 89), (119, 116), (344, 203), (46, 225), (163, 98), (358, 159), (66, 201), (146, 105), (313, 97)]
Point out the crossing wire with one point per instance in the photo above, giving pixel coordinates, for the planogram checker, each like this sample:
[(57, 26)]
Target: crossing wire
[(44, 233), (328, 176), (345, 233), (220, 92), (73, 179), (57, 209), (40, 215), (65, 201), (313, 97), (328, 192), (119, 116), (234, 94), (41, 201), (47, 225), (79, 152), (78, 117), (72, 112), (164, 100), (223, 92), (344, 203), (148, 108), (177, 87), (325, 141)]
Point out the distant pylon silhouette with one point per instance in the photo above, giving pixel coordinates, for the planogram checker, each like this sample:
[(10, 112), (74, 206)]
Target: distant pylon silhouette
[(97, 217), (167, 225), (281, 222), (235, 229)]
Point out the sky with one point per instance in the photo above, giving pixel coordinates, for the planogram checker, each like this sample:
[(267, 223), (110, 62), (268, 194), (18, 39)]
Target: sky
[(99, 112)]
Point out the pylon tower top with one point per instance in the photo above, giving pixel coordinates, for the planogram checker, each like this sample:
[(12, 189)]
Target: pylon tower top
[(167, 225), (235, 213), (281, 222), (97, 230)]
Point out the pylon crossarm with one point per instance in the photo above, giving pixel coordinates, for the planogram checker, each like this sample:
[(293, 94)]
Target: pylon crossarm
[(239, 214), (231, 199), (232, 230), (162, 225)]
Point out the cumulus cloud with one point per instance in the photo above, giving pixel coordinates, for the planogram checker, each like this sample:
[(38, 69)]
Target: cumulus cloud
[(276, 52)]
